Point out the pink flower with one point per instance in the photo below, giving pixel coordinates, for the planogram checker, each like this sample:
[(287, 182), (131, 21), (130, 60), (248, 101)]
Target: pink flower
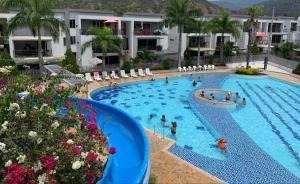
[(53, 181), (31, 182), (14, 174), (93, 136), (112, 150), (81, 116), (77, 150), (92, 127), (39, 90), (30, 171), (94, 112), (92, 177), (91, 157), (92, 119), (48, 162), (83, 101)]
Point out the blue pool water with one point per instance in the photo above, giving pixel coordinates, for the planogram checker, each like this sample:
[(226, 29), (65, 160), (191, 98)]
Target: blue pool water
[(141, 99), (272, 116), (270, 119)]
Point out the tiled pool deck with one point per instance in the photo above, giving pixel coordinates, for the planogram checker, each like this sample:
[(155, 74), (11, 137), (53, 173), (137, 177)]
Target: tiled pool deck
[(247, 162)]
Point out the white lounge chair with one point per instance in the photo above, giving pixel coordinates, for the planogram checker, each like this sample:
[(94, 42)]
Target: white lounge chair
[(184, 69), (88, 77), (105, 76), (148, 72), (179, 69), (209, 67), (113, 75), (199, 67), (80, 76), (141, 73), (190, 68), (123, 74), (204, 67), (213, 67), (132, 73), (97, 76), (194, 68)]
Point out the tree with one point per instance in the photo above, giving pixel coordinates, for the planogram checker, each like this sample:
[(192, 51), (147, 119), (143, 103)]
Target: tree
[(199, 27), (104, 39), (252, 26), (178, 13), (36, 15), (69, 62), (287, 50), (223, 24)]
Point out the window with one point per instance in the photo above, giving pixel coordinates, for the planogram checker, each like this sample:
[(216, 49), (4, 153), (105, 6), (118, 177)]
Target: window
[(72, 23), (294, 26), (72, 40)]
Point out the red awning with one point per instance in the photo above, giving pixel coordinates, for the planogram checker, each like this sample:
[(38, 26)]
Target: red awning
[(111, 21), (261, 34)]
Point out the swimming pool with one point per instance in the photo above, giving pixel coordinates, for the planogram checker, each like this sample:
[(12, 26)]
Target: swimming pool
[(268, 124)]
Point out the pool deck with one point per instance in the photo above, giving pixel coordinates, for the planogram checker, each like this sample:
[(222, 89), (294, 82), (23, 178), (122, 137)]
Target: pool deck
[(185, 166)]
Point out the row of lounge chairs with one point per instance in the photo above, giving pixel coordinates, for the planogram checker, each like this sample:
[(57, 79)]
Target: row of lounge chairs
[(105, 76), (195, 68)]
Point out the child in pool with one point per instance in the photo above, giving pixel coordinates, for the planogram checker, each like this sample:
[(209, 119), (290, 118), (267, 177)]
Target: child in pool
[(163, 120), (173, 128)]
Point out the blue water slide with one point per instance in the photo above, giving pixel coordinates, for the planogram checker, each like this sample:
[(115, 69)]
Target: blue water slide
[(130, 163)]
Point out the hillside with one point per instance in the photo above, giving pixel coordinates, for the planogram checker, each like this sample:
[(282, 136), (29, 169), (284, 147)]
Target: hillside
[(235, 4), (148, 6), (282, 7)]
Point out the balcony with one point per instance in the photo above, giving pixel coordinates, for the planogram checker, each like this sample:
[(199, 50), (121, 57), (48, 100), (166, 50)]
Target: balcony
[(27, 32), (29, 49), (148, 28)]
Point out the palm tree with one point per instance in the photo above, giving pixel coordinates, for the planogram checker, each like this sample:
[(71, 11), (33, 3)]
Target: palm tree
[(178, 13), (105, 39), (36, 15), (199, 27), (223, 25), (252, 26)]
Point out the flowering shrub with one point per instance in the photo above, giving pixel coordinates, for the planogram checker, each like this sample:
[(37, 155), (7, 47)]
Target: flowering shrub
[(46, 137)]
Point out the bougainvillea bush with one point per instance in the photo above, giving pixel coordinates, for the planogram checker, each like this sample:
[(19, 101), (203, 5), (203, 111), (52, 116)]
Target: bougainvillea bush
[(46, 137)]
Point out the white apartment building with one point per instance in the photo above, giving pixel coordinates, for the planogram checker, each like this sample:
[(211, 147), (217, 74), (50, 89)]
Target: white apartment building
[(138, 31)]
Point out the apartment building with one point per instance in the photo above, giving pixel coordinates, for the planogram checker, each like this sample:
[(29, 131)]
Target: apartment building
[(138, 31)]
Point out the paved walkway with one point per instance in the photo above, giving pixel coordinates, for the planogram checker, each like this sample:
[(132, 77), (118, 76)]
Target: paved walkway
[(247, 162)]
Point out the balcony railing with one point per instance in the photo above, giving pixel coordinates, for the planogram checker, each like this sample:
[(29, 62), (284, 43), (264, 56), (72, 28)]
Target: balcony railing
[(31, 53)]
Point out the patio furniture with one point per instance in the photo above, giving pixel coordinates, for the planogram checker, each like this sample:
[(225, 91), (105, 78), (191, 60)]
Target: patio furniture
[(194, 68), (148, 72), (179, 69), (88, 77), (190, 68), (141, 72), (97, 76), (113, 75), (105, 75), (132, 73), (184, 69), (123, 74)]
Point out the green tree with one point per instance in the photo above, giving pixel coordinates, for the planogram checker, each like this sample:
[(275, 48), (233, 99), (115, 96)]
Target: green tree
[(287, 50), (222, 24), (5, 59), (69, 62), (105, 39), (178, 13), (36, 15), (252, 26)]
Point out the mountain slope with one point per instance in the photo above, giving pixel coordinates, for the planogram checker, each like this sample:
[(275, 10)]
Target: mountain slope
[(148, 6), (235, 4), (282, 7)]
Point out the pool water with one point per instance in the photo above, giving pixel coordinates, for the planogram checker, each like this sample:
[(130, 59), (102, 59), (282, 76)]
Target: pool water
[(157, 98), (271, 117)]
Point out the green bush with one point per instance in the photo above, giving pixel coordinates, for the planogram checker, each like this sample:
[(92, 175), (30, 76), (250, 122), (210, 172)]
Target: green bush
[(152, 179), (166, 64), (249, 71), (254, 49), (287, 50), (297, 69), (5, 59), (69, 62), (126, 66)]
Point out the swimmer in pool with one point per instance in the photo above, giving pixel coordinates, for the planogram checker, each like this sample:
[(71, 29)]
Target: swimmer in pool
[(194, 83), (163, 120)]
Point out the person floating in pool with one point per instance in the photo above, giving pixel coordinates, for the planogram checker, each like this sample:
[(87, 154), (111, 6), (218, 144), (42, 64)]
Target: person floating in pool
[(211, 96), (194, 83), (228, 96), (167, 80), (173, 127), (163, 120), (202, 94), (152, 79), (150, 116), (237, 95), (244, 102), (222, 143)]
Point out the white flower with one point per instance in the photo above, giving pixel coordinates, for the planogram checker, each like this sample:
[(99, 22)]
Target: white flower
[(32, 134), (55, 124), (70, 141), (8, 163), (77, 164), (20, 115), (42, 178), (52, 113), (13, 107), (43, 106), (53, 74), (37, 166), (4, 125), (84, 154), (21, 158), (2, 146), (103, 159), (39, 140)]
